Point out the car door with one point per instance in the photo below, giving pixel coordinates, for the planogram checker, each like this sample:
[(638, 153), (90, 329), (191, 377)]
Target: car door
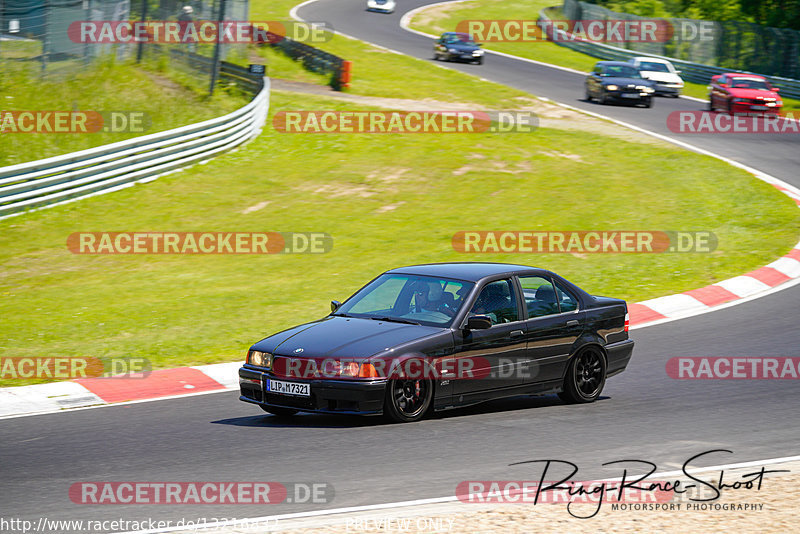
[(440, 47), (718, 94), (494, 353), (553, 323), (594, 81)]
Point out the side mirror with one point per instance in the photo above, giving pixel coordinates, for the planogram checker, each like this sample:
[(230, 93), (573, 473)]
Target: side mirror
[(777, 90), (678, 71), (479, 322), (723, 85), (335, 305)]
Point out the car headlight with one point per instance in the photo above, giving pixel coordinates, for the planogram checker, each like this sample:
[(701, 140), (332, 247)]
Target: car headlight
[(477, 52), (452, 50), (612, 87), (259, 359), (647, 89), (349, 368)]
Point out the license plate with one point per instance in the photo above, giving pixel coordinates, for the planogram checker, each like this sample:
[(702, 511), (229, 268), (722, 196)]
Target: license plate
[(758, 108), (287, 388), (630, 95)]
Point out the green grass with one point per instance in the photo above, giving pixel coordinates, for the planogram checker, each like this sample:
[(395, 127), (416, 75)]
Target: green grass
[(546, 52), (387, 200), (105, 86)]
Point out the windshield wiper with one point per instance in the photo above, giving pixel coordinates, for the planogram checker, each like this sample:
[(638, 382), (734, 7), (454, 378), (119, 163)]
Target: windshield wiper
[(394, 320), (340, 314)]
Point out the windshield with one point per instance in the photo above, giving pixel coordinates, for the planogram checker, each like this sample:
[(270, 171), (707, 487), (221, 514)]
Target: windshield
[(460, 38), (621, 71), (408, 298), (750, 83), (653, 67)]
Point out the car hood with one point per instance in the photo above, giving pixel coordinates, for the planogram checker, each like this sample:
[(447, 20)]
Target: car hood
[(664, 77), (627, 81), (342, 337), (751, 93)]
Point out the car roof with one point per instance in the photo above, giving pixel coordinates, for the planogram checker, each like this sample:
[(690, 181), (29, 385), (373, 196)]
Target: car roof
[(469, 271), (652, 59), (742, 75), (620, 63)]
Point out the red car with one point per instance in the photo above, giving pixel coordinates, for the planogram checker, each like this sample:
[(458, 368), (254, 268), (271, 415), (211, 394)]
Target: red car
[(743, 93)]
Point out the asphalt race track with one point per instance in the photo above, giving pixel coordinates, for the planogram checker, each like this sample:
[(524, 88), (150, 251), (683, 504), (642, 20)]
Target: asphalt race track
[(643, 414)]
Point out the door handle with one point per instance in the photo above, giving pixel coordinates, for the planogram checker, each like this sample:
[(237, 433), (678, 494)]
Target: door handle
[(573, 322), (515, 333)]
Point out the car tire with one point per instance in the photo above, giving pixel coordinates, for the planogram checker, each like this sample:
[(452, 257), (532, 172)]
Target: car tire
[(586, 376), (710, 104), (588, 95), (604, 98), (406, 400), (480, 61), (280, 412), (648, 102)]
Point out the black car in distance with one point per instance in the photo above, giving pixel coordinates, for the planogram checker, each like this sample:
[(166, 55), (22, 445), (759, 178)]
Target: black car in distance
[(440, 336), (454, 46), (615, 81)]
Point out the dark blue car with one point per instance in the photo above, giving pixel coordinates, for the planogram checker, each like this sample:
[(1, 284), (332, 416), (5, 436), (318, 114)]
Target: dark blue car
[(454, 46), (439, 336)]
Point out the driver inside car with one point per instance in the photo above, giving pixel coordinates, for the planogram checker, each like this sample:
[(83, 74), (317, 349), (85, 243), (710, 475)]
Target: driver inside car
[(428, 296)]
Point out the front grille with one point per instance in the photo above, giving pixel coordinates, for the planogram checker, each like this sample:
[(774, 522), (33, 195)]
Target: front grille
[(290, 401)]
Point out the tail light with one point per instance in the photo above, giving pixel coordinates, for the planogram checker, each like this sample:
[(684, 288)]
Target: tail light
[(627, 321)]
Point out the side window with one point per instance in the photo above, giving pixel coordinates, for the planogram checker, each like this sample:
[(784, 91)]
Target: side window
[(498, 301), (540, 296), (567, 300)]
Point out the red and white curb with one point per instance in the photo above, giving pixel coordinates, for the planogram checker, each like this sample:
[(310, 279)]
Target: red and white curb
[(201, 379), (91, 392)]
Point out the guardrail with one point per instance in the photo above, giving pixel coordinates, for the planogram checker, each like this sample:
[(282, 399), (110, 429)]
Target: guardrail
[(693, 72), (41, 183), (313, 59)]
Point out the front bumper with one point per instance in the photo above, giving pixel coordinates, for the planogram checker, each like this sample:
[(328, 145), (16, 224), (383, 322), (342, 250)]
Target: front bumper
[(668, 89), (761, 108), (617, 95), (356, 397)]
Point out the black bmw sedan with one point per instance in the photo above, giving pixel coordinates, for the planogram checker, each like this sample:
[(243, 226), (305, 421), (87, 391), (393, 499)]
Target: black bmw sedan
[(440, 336), (454, 46), (615, 81)]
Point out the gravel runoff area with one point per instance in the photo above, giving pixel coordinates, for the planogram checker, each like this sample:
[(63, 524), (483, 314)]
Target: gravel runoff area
[(549, 115), (772, 508)]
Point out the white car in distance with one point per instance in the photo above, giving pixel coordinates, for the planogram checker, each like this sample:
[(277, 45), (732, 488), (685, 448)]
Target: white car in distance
[(381, 6), (661, 71)]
